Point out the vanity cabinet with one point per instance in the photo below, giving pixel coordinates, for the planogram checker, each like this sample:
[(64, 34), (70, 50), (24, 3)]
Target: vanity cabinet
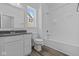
[(13, 46), (17, 45), (1, 44), (27, 44)]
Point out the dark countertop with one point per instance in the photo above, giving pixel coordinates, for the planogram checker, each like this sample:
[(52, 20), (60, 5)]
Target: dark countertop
[(13, 33)]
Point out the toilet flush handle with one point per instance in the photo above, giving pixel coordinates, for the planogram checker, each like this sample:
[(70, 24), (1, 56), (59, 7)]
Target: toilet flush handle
[(48, 34)]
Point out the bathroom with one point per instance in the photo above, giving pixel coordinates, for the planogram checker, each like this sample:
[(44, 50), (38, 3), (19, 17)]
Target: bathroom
[(39, 29)]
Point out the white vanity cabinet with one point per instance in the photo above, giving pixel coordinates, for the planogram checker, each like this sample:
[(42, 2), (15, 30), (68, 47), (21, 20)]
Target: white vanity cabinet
[(1, 46), (27, 44), (18, 45), (13, 46)]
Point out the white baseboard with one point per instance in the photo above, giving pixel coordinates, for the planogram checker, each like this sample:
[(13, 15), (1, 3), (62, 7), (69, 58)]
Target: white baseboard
[(65, 48)]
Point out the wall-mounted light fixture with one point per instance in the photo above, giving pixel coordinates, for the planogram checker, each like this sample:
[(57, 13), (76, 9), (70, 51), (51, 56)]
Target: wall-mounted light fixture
[(78, 7)]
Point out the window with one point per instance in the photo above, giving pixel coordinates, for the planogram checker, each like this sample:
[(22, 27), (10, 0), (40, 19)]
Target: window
[(31, 14)]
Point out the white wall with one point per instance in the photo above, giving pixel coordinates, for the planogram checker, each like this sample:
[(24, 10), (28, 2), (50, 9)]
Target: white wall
[(17, 13), (62, 22)]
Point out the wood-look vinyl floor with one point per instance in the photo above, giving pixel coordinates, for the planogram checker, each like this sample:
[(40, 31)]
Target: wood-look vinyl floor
[(46, 51)]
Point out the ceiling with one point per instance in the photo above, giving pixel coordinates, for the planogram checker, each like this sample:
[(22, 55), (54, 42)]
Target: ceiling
[(33, 5)]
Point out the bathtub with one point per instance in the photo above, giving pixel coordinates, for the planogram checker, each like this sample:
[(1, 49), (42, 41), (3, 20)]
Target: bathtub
[(72, 50)]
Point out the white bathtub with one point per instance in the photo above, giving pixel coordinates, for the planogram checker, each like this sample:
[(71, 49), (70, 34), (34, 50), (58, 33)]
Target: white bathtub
[(68, 49)]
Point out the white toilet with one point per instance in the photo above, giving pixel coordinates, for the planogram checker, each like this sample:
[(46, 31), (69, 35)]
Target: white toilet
[(38, 44)]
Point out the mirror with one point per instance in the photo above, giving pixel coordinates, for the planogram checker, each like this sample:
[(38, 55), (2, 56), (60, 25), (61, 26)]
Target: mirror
[(7, 22)]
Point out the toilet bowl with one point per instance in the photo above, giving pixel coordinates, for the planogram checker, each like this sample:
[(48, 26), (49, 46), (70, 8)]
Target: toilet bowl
[(38, 41), (38, 44)]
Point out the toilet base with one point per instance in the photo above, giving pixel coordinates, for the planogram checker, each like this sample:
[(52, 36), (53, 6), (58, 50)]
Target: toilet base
[(38, 48)]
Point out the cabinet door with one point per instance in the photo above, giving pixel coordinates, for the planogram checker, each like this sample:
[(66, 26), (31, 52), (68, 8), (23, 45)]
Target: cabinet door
[(27, 44), (1, 46), (14, 48)]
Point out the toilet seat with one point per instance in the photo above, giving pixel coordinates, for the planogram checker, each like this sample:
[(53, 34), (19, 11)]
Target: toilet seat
[(38, 41)]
